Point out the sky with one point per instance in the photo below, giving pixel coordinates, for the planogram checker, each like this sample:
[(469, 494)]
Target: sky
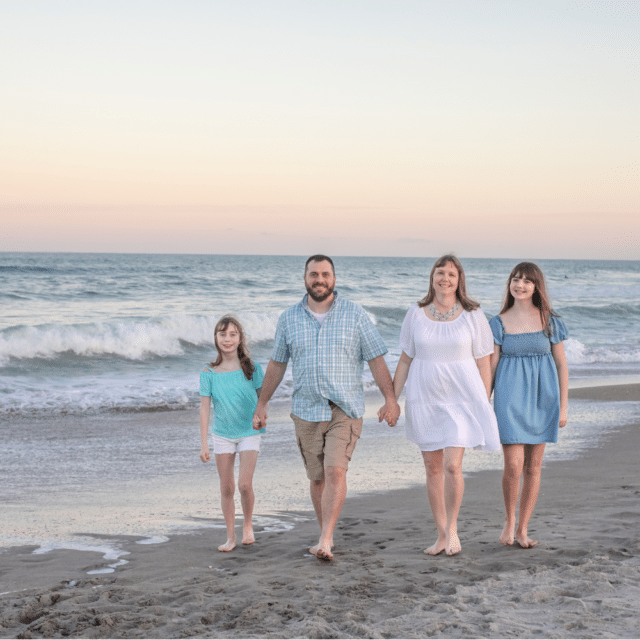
[(491, 128)]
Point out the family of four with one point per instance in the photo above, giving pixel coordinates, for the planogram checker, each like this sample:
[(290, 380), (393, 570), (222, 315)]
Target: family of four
[(452, 360)]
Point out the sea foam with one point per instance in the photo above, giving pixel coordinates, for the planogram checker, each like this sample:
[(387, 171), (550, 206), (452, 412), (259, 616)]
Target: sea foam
[(580, 354), (162, 337)]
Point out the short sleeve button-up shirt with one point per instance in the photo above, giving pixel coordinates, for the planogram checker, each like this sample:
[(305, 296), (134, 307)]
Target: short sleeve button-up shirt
[(327, 358)]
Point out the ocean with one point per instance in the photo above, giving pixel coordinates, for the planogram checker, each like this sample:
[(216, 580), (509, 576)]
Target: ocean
[(100, 356), (93, 333)]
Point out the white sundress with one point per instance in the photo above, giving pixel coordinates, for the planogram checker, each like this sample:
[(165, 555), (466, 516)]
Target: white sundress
[(446, 401)]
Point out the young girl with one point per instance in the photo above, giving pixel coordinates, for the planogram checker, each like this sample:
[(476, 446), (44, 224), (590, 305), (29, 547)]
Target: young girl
[(233, 383), (530, 377)]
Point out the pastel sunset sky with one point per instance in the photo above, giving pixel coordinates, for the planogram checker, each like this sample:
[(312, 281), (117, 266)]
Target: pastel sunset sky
[(493, 128)]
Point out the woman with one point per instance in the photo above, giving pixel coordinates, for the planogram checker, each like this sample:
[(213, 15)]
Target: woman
[(446, 344), (529, 369)]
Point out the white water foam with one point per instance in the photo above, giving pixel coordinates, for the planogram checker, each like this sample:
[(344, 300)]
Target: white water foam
[(580, 354), (129, 340)]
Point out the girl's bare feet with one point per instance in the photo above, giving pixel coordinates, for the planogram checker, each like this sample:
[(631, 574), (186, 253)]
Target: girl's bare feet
[(437, 547), (506, 537), (453, 545), (229, 545), (247, 535)]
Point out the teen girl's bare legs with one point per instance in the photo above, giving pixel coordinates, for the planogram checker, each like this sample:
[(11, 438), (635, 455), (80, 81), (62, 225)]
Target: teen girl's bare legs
[(248, 461), (530, 487), (513, 463), (445, 488), (520, 460), (225, 463)]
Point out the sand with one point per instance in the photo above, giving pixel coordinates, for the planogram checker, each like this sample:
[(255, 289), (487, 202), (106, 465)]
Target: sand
[(582, 580)]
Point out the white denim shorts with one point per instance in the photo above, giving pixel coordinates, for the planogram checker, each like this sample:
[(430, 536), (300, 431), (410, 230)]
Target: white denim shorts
[(236, 445)]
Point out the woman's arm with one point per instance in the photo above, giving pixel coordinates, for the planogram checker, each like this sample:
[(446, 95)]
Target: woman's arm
[(402, 371), (205, 407), (390, 411), (495, 358), (484, 367), (559, 357)]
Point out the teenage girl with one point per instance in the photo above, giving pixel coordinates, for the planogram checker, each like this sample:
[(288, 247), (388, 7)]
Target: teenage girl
[(232, 383), (530, 377)]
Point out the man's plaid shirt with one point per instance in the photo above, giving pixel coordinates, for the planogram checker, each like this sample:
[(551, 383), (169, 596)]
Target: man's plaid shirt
[(327, 358)]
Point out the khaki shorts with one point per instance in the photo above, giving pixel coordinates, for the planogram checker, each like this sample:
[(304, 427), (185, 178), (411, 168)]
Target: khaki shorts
[(327, 444)]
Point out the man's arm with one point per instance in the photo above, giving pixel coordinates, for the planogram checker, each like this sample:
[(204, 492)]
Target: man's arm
[(272, 378), (391, 409)]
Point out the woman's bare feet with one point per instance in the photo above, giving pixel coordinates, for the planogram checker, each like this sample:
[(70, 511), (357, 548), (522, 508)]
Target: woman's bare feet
[(229, 545), (525, 541), (247, 535), (322, 551), (453, 545), (506, 537), (437, 547), (315, 548)]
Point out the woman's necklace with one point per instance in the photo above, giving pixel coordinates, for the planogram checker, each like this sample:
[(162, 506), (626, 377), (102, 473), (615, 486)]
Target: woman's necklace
[(442, 317)]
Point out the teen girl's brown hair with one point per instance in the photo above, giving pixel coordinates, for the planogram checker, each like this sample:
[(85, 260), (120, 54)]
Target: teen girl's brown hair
[(243, 352), (532, 272), (461, 292)]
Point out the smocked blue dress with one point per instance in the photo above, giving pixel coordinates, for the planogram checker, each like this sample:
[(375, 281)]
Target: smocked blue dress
[(526, 392)]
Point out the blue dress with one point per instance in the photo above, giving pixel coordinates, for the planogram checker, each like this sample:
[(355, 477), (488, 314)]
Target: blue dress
[(526, 392)]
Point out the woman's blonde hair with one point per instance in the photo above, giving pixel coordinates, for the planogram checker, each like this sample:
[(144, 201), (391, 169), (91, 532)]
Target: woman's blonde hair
[(461, 292)]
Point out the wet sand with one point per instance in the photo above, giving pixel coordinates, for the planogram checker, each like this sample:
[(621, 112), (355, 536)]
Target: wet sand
[(582, 580)]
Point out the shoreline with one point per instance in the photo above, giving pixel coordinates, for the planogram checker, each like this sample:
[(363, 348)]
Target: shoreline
[(582, 580)]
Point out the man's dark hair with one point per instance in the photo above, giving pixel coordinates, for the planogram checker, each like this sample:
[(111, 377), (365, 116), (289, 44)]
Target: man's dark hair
[(320, 258)]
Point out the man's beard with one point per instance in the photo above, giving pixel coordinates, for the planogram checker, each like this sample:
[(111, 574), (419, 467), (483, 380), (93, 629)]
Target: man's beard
[(319, 298)]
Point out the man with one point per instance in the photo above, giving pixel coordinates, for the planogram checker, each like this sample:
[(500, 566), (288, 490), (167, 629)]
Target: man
[(328, 338)]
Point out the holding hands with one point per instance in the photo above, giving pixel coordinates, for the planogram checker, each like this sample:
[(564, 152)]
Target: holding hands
[(390, 412), (260, 417)]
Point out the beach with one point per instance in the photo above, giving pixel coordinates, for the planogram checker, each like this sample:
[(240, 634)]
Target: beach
[(581, 580)]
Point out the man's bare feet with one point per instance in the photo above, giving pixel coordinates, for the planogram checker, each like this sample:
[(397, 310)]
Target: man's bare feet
[(229, 545), (525, 541), (437, 547), (247, 535), (506, 537), (453, 545)]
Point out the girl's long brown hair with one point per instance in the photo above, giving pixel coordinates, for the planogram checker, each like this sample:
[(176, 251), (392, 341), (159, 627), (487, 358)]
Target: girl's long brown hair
[(531, 271), (243, 352), (461, 292)]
